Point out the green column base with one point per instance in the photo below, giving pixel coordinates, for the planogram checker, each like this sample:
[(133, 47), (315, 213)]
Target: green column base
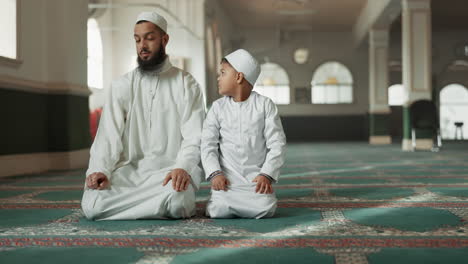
[(421, 144)]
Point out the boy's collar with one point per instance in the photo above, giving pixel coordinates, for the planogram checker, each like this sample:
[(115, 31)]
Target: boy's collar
[(252, 93)]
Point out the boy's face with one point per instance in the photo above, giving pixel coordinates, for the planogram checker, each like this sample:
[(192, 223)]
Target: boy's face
[(227, 79)]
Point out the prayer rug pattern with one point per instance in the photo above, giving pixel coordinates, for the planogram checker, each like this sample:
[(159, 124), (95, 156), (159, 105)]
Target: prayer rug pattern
[(338, 203)]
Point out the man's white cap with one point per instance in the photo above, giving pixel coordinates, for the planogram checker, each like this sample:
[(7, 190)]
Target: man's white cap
[(154, 18), (244, 62)]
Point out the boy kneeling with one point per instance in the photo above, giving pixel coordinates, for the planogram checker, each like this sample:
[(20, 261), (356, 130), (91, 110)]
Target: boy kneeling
[(242, 144)]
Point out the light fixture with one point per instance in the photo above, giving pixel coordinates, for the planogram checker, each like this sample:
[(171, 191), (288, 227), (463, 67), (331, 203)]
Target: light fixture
[(301, 55)]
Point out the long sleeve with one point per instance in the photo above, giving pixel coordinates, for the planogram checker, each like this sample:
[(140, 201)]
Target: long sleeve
[(191, 123), (275, 141), (107, 146), (210, 142)]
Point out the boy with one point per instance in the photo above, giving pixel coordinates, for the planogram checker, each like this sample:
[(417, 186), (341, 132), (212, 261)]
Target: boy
[(242, 144)]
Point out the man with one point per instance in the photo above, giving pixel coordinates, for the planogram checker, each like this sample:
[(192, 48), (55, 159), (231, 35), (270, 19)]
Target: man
[(145, 159)]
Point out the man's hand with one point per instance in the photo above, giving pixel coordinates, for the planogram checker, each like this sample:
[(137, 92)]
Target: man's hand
[(97, 181), (263, 185), (180, 179), (219, 182)]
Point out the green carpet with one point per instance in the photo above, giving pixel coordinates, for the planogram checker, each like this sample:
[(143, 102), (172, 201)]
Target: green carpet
[(344, 203)]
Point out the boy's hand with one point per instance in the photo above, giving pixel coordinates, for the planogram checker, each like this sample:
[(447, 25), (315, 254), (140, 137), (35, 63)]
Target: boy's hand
[(220, 182), (180, 179), (97, 181), (263, 185)]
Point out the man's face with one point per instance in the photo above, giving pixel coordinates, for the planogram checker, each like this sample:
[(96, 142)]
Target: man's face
[(227, 79), (149, 40)]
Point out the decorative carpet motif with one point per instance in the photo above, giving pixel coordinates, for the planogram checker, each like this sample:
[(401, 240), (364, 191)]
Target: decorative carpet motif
[(344, 203)]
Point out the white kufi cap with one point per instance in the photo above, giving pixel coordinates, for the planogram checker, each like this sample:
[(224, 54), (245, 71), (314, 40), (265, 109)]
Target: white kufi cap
[(154, 18), (244, 62)]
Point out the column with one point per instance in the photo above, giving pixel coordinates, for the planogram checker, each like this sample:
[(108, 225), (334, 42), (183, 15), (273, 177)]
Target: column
[(417, 64), (379, 112)]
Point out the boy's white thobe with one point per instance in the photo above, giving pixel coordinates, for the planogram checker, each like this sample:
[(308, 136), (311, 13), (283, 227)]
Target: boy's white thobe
[(242, 139), (151, 124)]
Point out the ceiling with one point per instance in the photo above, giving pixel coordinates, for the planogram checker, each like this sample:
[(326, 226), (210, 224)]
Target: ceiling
[(315, 15), (449, 14), (329, 15), (446, 15)]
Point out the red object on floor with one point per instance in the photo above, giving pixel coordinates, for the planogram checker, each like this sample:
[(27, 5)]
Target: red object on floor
[(94, 117)]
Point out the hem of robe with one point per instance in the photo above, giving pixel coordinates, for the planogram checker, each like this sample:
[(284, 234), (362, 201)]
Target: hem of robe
[(142, 198), (237, 202)]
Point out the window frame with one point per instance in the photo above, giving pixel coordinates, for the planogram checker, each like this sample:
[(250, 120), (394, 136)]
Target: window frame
[(101, 60), (352, 84), (288, 85), (6, 61), (446, 129)]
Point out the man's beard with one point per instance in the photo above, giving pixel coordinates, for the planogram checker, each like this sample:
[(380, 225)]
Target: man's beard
[(154, 62)]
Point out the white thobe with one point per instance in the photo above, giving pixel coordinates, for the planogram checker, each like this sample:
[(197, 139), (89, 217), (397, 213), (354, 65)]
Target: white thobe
[(151, 124), (242, 139)]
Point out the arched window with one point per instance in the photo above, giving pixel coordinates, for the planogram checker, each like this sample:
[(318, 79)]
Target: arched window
[(273, 82), (453, 108), (396, 94), (8, 27), (332, 83), (95, 58)]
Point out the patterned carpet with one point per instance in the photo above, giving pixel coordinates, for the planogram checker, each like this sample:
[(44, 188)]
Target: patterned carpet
[(343, 203)]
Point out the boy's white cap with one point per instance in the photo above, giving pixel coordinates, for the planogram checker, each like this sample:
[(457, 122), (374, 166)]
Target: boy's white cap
[(154, 18), (244, 62)]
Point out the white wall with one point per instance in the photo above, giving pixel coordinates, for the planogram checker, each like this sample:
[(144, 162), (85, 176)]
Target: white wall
[(52, 39), (32, 41)]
